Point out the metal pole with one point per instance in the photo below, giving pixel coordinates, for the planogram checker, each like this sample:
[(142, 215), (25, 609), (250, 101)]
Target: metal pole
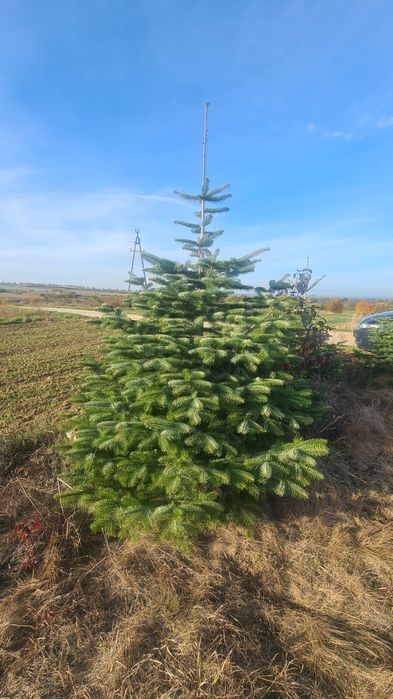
[(142, 262), (133, 260), (137, 246)]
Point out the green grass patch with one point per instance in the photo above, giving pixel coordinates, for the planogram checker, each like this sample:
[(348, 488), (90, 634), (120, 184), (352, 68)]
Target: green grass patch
[(347, 320), (40, 366)]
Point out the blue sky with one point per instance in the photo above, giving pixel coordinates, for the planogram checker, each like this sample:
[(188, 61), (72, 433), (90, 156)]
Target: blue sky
[(101, 107)]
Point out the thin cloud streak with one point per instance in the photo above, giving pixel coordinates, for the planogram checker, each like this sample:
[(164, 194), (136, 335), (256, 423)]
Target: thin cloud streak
[(92, 237), (341, 135), (338, 134), (385, 122)]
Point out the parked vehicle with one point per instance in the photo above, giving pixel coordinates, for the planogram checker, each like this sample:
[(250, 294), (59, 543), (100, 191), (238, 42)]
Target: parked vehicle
[(369, 325)]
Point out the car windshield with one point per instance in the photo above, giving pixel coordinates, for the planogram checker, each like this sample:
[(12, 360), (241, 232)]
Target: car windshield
[(378, 316)]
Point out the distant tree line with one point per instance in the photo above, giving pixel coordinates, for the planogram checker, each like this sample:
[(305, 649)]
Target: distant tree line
[(361, 307)]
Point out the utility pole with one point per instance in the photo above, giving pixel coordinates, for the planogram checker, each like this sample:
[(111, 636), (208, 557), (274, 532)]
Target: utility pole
[(137, 249)]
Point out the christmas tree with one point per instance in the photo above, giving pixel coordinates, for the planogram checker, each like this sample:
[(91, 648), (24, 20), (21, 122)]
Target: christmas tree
[(192, 416)]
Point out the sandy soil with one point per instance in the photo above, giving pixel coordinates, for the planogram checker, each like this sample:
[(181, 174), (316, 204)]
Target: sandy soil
[(79, 311), (345, 336)]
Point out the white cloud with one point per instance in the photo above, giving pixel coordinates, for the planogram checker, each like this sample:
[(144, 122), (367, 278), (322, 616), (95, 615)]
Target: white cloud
[(385, 122), (85, 238), (341, 248), (82, 237), (365, 125), (10, 175), (26, 214), (337, 134), (341, 135)]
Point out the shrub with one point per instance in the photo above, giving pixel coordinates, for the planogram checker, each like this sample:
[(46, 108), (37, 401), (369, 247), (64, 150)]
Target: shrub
[(381, 345), (317, 357), (334, 306), (364, 308)]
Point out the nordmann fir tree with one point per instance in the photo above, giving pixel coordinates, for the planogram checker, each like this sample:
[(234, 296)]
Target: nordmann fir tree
[(190, 418)]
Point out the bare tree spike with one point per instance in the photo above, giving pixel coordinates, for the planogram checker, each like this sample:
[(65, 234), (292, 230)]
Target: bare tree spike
[(204, 184), (204, 145), (207, 198)]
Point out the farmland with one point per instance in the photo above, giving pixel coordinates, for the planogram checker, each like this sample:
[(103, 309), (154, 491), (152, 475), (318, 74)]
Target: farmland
[(35, 295), (40, 364)]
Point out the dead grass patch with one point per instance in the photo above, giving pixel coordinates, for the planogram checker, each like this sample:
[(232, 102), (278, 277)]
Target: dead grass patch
[(301, 608)]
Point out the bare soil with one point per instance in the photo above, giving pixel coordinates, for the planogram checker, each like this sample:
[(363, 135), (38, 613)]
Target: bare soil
[(87, 312), (342, 336)]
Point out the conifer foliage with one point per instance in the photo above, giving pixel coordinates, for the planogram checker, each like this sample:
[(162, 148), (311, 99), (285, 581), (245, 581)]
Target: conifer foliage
[(192, 417)]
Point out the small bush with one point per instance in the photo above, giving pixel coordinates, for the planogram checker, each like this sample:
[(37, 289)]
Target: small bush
[(334, 306), (364, 308), (381, 345)]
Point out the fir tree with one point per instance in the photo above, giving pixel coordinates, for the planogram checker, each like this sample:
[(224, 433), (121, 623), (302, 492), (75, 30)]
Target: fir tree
[(381, 345), (191, 417)]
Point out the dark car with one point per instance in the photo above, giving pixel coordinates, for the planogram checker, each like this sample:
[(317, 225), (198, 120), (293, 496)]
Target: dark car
[(369, 325)]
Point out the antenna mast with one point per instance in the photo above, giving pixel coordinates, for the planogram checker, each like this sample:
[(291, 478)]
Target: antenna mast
[(137, 249)]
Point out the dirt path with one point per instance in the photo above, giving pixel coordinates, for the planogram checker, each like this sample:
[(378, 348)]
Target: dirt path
[(88, 313), (345, 336)]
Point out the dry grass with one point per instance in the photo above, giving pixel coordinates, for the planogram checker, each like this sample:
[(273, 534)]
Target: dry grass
[(10, 311), (300, 609), (13, 301)]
